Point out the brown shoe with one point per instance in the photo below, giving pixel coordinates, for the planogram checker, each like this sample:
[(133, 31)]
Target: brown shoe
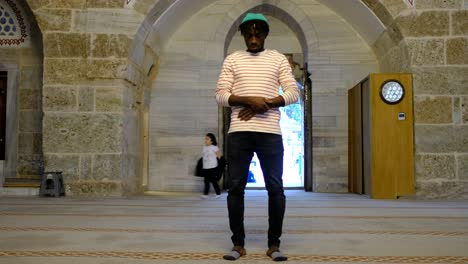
[(274, 253), (236, 253)]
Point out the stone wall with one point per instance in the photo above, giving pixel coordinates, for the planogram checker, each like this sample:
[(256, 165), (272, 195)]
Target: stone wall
[(94, 93), (86, 100), (431, 41), (23, 62)]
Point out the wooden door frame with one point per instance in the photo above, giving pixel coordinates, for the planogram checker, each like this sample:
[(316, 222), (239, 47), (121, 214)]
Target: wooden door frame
[(308, 159)]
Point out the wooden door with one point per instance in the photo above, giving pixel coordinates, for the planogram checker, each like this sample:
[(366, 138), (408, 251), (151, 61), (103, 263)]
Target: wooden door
[(392, 139), (3, 102), (355, 174)]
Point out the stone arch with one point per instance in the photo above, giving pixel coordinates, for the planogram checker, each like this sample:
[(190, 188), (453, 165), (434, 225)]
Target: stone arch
[(390, 47), (153, 44), (156, 10), (393, 46), (158, 13), (150, 39), (23, 64), (386, 12)]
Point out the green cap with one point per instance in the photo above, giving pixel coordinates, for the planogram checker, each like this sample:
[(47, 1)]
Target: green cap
[(254, 16)]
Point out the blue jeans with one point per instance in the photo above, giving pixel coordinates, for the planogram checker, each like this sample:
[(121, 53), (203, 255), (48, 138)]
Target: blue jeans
[(269, 149)]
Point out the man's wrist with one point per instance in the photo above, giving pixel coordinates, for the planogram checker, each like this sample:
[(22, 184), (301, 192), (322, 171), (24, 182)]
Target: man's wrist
[(276, 102)]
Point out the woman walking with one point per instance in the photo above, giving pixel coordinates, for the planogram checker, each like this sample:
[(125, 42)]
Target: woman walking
[(211, 154)]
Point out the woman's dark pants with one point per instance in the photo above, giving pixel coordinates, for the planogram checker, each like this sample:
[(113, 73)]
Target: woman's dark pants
[(210, 178)]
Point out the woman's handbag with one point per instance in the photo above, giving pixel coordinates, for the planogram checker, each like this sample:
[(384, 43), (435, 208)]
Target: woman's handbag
[(199, 168)]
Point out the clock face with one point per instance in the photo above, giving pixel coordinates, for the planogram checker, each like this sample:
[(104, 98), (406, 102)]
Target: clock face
[(392, 92)]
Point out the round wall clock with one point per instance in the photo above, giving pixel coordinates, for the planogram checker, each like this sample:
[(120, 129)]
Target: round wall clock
[(392, 92)]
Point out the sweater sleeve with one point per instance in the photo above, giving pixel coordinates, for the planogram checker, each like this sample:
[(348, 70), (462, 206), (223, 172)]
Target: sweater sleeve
[(225, 83), (288, 83)]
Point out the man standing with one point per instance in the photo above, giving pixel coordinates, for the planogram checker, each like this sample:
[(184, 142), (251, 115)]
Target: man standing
[(249, 83)]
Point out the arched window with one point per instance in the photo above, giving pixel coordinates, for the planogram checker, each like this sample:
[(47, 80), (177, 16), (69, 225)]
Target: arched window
[(12, 25)]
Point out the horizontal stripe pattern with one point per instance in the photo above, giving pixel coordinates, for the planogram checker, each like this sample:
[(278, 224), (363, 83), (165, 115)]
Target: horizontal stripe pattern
[(213, 230), (260, 258), (256, 74), (193, 216)]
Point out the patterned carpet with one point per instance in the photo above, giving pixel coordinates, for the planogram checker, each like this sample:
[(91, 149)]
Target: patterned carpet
[(181, 228)]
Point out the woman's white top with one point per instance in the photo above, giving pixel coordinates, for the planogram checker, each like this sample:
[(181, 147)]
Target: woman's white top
[(209, 157)]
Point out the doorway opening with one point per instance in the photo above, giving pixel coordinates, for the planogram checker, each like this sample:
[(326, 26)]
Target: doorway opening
[(295, 120), (292, 128)]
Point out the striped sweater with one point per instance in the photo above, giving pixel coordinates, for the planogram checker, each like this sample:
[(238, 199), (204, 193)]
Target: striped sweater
[(256, 74)]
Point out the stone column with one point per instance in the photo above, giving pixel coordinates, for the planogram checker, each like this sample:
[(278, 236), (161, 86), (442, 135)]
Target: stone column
[(85, 107)]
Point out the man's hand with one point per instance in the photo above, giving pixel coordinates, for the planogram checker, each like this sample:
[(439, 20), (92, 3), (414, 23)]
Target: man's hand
[(258, 104), (253, 105), (246, 114)]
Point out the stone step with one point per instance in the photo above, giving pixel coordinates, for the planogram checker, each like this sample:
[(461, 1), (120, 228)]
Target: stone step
[(19, 191), (22, 183)]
